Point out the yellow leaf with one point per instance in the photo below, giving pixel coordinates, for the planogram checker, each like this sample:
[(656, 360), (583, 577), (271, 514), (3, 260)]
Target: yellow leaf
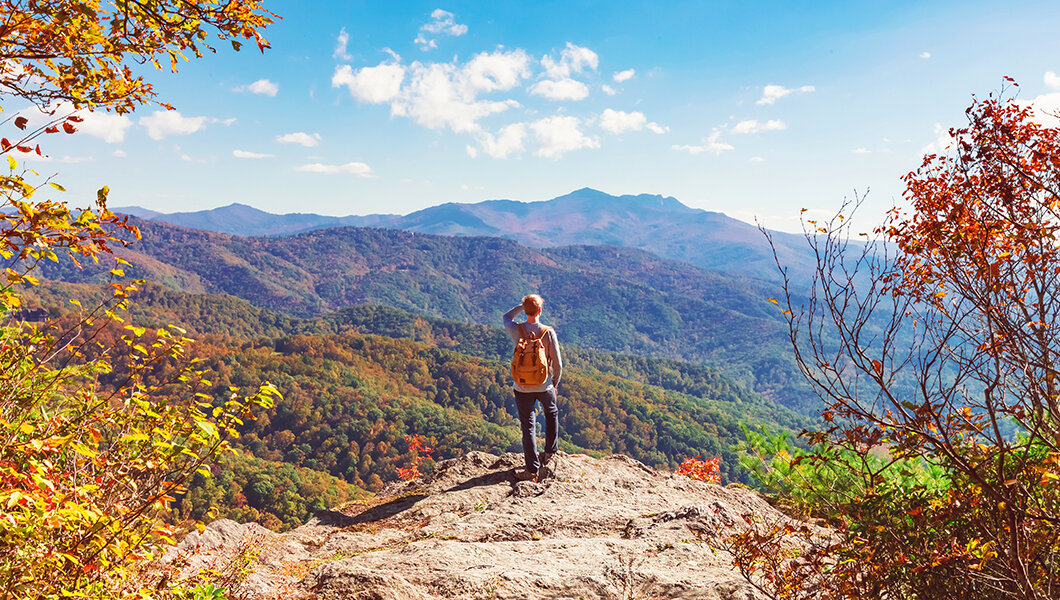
[(83, 450), (774, 301)]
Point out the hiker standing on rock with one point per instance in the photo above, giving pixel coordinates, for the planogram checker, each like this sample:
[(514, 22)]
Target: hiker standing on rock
[(536, 370)]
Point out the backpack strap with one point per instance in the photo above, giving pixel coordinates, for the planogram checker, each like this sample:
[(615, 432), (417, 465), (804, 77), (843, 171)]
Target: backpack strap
[(522, 331), (541, 336)]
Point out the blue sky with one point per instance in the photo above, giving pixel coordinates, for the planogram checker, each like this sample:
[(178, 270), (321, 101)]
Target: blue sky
[(754, 109)]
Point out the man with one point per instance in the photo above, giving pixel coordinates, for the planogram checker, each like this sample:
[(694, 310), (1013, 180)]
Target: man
[(527, 396)]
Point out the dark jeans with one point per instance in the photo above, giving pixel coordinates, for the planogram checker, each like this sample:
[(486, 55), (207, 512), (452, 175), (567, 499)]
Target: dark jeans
[(525, 402)]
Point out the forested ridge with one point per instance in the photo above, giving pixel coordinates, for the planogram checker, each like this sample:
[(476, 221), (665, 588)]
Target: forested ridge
[(357, 381), (601, 297)]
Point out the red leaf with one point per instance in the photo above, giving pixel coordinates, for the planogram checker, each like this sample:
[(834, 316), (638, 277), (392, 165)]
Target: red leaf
[(74, 118), (877, 366), (38, 150), (20, 122), (6, 144), (25, 149), (52, 129), (68, 128)]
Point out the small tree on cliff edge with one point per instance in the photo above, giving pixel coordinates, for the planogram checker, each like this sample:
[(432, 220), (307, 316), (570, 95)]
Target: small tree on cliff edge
[(99, 421), (935, 350)]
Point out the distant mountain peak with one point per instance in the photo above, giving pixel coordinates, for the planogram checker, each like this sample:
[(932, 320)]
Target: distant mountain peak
[(656, 223)]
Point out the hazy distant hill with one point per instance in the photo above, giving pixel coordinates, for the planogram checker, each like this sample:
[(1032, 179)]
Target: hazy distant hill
[(601, 297), (659, 224), (240, 219)]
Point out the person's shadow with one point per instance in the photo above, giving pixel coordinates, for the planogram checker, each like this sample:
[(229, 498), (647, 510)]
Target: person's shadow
[(376, 513), (500, 474)]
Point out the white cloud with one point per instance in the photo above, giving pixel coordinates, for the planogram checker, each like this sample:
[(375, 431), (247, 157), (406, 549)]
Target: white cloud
[(712, 144), (558, 84), (756, 159), (573, 59), (861, 151), (437, 95), (610, 91), (472, 151), (1052, 80), (34, 157), (656, 128), (340, 46), (772, 93), (353, 168), (245, 154), (1046, 109), (496, 71), (626, 75), (447, 95), (225, 122), (559, 135), (753, 126), (424, 43), (508, 140), (106, 126), (119, 153), (374, 85), (261, 86), (163, 123), (442, 22), (563, 89), (616, 121), (925, 55), (264, 87), (942, 140), (301, 138)]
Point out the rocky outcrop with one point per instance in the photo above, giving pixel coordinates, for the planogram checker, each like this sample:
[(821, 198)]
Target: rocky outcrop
[(597, 528)]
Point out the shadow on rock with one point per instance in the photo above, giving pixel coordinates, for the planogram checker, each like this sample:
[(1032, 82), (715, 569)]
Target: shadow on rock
[(505, 476), (376, 513)]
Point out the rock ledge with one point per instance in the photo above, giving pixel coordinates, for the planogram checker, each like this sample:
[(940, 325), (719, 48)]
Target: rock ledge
[(599, 528)]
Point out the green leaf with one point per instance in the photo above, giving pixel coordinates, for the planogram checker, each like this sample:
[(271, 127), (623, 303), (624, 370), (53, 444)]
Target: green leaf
[(207, 428)]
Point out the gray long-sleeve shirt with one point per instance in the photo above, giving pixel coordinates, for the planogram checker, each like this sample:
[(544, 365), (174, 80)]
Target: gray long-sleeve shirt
[(555, 359)]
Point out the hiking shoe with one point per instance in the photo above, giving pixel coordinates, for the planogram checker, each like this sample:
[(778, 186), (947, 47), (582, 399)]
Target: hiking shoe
[(525, 475), (547, 458)]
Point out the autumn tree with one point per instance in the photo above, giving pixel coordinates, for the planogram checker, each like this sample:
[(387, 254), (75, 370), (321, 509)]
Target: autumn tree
[(934, 347), (100, 421)]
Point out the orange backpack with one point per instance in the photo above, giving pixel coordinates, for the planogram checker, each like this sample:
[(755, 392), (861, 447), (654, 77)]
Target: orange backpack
[(530, 359)]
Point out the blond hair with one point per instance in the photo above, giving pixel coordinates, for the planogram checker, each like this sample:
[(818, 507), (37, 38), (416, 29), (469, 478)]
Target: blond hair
[(532, 304)]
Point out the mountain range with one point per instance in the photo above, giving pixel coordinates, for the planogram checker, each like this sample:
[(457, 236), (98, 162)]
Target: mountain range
[(600, 297), (659, 224)]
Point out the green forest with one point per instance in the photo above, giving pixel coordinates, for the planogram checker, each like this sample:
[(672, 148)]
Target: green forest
[(601, 297), (356, 382)]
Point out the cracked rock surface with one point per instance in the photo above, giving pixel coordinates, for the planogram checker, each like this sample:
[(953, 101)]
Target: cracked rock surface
[(597, 528)]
